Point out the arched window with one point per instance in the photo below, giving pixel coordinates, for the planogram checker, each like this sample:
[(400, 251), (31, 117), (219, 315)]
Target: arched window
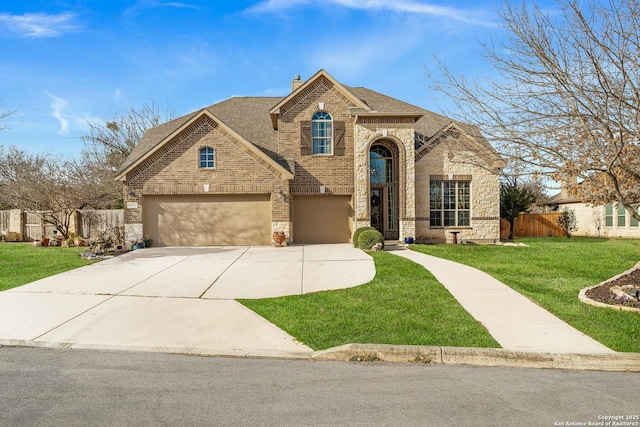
[(321, 133), (207, 158), (381, 165)]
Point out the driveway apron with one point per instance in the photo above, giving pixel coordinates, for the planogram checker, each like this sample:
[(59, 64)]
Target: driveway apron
[(177, 299)]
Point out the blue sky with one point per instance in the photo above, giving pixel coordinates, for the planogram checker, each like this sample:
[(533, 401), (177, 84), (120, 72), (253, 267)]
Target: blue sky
[(66, 62)]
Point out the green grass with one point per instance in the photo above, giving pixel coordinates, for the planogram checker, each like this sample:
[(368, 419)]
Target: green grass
[(552, 271), (403, 304), (22, 263)]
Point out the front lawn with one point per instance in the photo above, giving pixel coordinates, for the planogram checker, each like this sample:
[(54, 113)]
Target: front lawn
[(403, 304), (22, 263), (551, 272)]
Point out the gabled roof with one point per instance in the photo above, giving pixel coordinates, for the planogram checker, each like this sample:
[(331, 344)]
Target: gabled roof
[(151, 138), (249, 117), (252, 120), (379, 104), (157, 137), (275, 111), (429, 124)]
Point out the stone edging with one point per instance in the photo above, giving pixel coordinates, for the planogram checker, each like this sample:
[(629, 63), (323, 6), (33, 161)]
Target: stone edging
[(585, 299), (494, 357)]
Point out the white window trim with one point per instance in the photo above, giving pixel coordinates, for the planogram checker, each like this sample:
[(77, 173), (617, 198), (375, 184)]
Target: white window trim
[(315, 138), (213, 152), (457, 210)]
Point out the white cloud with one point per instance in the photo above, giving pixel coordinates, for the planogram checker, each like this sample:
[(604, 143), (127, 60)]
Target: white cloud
[(179, 5), (398, 6), (38, 24), (277, 5), (58, 105), (150, 4)]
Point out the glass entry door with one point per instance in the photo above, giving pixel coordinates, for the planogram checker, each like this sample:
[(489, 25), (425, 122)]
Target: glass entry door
[(377, 210), (383, 181)]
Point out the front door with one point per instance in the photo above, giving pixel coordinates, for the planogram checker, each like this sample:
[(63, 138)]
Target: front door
[(377, 209), (383, 183)]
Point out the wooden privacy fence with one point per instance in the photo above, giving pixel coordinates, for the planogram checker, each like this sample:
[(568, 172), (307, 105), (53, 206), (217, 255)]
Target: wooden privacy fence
[(34, 227), (533, 225), (85, 223), (93, 222)]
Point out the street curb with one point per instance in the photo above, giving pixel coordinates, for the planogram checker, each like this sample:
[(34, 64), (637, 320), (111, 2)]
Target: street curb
[(182, 350), (495, 357), (466, 356)]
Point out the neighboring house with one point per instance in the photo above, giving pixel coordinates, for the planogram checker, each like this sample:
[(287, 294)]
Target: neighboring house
[(316, 164), (610, 220)]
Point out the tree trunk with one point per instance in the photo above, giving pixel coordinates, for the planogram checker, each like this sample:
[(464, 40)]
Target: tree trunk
[(512, 229)]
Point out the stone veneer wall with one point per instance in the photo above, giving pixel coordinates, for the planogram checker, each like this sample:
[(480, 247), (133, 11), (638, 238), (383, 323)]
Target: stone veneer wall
[(175, 170), (451, 158), (401, 132)]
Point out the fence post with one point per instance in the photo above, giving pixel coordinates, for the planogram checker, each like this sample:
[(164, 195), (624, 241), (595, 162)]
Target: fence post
[(16, 225), (74, 224)]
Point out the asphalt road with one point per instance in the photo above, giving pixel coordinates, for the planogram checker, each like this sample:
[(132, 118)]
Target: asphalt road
[(45, 387)]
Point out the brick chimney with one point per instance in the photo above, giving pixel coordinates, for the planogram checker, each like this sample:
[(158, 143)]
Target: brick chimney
[(296, 83)]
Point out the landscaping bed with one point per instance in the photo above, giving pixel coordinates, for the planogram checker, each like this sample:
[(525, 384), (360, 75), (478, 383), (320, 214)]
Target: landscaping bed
[(618, 292)]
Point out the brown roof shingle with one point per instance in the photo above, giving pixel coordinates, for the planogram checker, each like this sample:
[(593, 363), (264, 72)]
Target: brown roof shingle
[(250, 118)]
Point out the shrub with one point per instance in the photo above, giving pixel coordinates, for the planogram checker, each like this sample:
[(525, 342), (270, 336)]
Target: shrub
[(356, 235), (369, 238), (567, 221)]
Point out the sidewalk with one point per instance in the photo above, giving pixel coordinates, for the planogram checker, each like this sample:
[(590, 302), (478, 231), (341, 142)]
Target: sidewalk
[(516, 322)]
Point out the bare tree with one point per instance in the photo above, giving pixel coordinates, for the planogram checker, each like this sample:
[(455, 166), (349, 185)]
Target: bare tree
[(3, 115), (566, 99), (50, 186), (108, 143)]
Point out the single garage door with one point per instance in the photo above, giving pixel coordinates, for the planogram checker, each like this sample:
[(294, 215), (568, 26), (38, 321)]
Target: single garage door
[(208, 220), (322, 219)]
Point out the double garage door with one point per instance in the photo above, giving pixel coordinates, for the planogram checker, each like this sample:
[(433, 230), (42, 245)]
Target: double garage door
[(208, 220)]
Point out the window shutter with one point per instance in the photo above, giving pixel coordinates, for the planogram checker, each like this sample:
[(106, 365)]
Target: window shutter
[(305, 137), (338, 137)]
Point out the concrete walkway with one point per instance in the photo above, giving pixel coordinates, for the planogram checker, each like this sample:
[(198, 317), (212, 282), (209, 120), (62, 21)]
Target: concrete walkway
[(516, 322), (178, 300)]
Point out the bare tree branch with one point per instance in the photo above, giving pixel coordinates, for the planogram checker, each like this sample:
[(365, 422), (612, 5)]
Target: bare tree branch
[(47, 184), (566, 102), (3, 115), (109, 142)]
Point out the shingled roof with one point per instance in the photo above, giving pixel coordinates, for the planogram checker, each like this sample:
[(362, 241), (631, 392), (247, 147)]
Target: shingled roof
[(250, 118)]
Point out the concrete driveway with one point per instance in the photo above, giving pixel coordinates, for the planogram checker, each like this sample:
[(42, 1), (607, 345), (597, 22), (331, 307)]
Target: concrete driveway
[(177, 299)]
